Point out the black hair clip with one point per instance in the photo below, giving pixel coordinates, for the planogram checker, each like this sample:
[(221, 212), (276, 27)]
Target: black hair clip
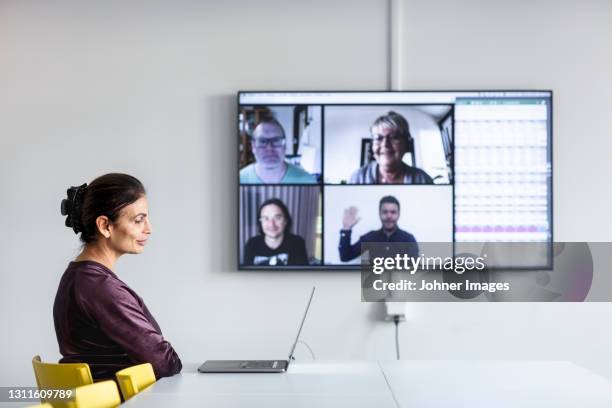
[(72, 207)]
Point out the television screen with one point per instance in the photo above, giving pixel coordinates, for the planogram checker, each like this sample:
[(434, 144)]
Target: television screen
[(320, 173)]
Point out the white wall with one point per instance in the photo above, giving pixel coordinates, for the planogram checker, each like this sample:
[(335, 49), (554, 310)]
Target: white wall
[(565, 46), (148, 88)]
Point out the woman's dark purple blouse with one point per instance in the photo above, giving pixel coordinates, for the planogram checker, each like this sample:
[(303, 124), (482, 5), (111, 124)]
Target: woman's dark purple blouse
[(99, 320)]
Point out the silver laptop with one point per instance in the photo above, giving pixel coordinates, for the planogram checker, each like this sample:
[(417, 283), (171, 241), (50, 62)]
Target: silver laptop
[(255, 366)]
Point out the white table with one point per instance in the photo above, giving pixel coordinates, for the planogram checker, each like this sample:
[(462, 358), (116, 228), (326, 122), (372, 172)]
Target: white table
[(306, 384), (392, 384), (497, 384)]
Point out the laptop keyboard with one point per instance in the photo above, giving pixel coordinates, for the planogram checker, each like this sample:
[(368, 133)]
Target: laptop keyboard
[(259, 364)]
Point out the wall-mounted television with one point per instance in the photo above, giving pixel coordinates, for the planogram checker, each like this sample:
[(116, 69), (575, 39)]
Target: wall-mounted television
[(319, 173)]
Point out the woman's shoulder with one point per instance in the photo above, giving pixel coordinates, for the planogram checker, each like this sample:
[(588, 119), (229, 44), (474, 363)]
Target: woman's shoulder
[(366, 174), (415, 175), (95, 283), (89, 269), (93, 276)]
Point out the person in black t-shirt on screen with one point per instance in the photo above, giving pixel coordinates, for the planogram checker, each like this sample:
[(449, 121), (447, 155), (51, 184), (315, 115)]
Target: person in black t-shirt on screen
[(275, 245)]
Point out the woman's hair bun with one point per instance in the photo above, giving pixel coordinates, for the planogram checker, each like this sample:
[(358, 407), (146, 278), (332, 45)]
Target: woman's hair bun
[(72, 206)]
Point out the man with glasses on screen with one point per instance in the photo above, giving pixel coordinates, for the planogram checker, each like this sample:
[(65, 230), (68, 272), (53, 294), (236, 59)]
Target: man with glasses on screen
[(389, 212), (268, 144), (391, 140)]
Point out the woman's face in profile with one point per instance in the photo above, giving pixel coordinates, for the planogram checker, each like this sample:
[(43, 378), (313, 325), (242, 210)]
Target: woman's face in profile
[(273, 221), (388, 146), (132, 229)]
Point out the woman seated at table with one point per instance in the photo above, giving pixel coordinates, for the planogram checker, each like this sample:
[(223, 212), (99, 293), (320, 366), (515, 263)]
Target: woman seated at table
[(99, 319)]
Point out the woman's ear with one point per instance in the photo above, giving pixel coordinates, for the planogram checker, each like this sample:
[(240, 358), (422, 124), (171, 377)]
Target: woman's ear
[(104, 226)]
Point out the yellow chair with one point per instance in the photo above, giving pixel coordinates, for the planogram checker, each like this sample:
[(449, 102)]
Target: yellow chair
[(103, 394), (134, 379), (60, 376)]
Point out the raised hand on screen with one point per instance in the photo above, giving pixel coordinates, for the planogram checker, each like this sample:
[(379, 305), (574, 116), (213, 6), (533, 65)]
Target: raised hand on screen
[(350, 218)]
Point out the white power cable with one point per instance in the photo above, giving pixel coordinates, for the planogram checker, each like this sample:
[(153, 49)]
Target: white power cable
[(309, 349), (396, 320)]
